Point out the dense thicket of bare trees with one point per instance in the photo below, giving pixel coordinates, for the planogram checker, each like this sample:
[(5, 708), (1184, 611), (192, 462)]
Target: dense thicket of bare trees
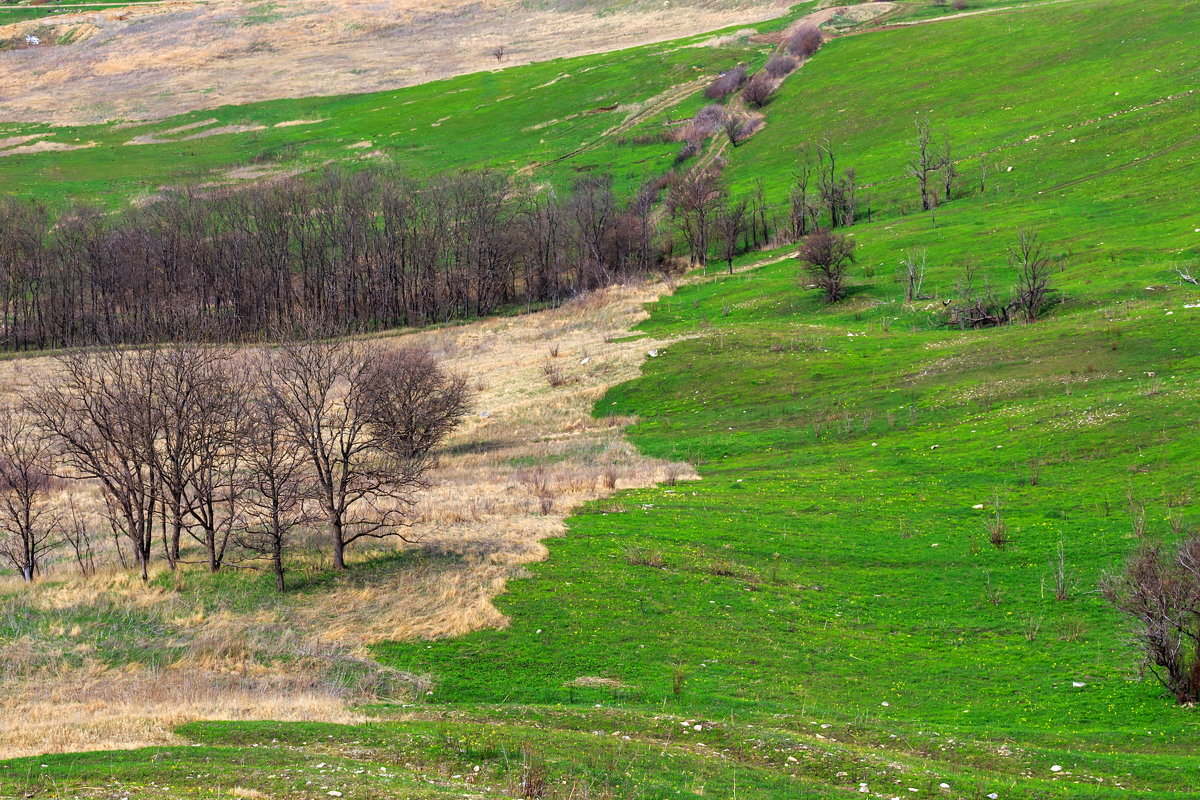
[(348, 251), (231, 449)]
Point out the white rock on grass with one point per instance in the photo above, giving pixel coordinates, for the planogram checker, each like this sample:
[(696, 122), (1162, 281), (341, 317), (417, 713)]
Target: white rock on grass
[(1056, 768)]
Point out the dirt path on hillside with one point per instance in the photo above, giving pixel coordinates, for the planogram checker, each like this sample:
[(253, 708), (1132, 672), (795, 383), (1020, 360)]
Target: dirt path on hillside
[(948, 17)]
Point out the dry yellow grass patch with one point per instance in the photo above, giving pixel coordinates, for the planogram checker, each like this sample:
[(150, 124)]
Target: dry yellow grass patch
[(44, 146), (153, 61), (530, 452), (97, 708)]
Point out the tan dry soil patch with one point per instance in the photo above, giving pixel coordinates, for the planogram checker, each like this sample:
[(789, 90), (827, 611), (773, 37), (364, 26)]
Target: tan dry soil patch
[(528, 454), (149, 62)]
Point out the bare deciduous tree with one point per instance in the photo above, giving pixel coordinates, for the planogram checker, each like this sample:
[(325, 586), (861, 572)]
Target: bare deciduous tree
[(802, 210), (29, 522), (1159, 590), (839, 193), (826, 256), (913, 273), (81, 536), (218, 433), (364, 480), (1034, 270), (693, 203), (99, 407), (498, 52), (413, 403), (278, 485), (732, 223), (924, 161), (947, 168)]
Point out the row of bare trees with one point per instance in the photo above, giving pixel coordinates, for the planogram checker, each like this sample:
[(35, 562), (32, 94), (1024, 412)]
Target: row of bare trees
[(821, 193), (232, 449), (349, 251)]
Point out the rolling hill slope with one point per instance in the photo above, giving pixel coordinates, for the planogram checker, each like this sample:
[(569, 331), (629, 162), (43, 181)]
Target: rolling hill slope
[(829, 611)]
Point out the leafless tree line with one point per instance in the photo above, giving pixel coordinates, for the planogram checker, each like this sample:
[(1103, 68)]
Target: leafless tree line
[(711, 221), (348, 251), (821, 193), (237, 451)]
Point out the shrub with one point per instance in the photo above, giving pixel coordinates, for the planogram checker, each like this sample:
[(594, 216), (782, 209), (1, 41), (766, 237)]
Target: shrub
[(780, 66), (1159, 591), (959, 5), (689, 149), (806, 40), (726, 83), (708, 121), (759, 90), (826, 256)]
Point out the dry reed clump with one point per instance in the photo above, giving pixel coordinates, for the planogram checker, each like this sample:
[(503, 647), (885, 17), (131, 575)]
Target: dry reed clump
[(528, 454), (174, 58)]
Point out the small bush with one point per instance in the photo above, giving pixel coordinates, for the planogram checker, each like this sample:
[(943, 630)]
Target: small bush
[(805, 41), (825, 257), (726, 83), (554, 375), (690, 149), (535, 779), (759, 90), (678, 676), (959, 5), (643, 557), (1159, 591), (780, 66), (708, 120)]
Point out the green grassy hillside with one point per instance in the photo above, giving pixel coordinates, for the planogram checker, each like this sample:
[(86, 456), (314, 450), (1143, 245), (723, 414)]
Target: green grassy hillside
[(823, 614)]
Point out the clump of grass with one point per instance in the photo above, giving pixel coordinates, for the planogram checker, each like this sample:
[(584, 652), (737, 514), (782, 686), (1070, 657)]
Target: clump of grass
[(645, 557), (609, 477), (555, 376), (535, 779), (678, 677), (1072, 629), (1059, 566), (993, 594), (996, 528), (1137, 520)]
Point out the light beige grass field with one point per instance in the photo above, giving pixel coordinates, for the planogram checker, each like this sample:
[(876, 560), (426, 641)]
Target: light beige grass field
[(152, 61), (529, 453)]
